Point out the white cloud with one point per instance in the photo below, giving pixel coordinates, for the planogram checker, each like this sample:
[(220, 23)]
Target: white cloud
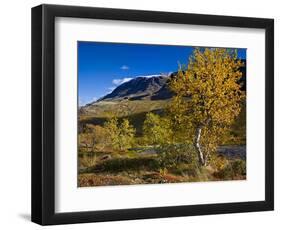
[(124, 67), (152, 75), (110, 89), (121, 81), (94, 99)]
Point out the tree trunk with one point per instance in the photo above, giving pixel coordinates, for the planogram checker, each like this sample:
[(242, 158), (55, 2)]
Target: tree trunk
[(198, 146)]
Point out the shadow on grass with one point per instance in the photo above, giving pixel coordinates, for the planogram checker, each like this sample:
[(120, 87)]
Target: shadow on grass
[(123, 164)]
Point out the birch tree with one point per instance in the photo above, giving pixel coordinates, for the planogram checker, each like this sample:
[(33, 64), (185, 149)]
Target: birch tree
[(157, 130), (121, 134), (209, 97)]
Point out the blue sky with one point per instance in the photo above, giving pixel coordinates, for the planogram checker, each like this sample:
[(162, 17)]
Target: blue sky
[(104, 66)]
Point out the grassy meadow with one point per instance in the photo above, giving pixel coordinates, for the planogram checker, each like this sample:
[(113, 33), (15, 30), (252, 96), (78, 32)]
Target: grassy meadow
[(140, 164)]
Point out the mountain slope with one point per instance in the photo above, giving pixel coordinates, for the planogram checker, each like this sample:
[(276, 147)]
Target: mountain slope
[(153, 88)]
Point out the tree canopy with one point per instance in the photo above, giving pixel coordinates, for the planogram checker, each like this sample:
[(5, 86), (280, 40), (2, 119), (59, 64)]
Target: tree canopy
[(208, 96)]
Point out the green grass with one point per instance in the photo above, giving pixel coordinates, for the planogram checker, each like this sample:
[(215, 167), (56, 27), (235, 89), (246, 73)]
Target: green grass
[(122, 108)]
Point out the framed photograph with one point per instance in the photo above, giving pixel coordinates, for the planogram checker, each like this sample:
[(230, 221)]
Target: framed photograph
[(142, 114)]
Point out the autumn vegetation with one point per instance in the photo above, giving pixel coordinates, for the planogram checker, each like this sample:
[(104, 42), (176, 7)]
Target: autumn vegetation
[(180, 141)]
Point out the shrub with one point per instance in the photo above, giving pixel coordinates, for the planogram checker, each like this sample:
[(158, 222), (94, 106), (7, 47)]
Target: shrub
[(122, 164), (156, 129), (172, 155), (239, 167), (87, 161), (121, 134), (218, 162), (234, 169)]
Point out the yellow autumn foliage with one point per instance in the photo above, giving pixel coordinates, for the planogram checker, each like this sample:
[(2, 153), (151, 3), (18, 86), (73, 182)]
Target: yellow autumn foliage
[(208, 96)]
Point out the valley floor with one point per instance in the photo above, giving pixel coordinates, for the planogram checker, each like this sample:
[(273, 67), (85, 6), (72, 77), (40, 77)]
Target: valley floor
[(139, 167)]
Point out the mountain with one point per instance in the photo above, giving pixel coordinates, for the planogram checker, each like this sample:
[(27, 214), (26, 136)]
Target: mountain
[(153, 87)]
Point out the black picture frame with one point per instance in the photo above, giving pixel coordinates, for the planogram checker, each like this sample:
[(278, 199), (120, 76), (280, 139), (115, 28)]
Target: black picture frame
[(43, 114)]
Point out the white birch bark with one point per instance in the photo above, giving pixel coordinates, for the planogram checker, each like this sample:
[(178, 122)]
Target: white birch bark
[(198, 146)]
